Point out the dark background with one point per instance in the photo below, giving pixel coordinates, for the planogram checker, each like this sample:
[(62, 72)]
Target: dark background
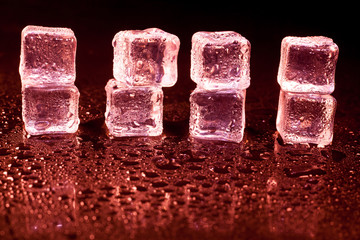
[(259, 189), (263, 23)]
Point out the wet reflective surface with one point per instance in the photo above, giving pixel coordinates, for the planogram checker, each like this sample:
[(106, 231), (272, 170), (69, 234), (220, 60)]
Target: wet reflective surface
[(172, 187), (88, 186)]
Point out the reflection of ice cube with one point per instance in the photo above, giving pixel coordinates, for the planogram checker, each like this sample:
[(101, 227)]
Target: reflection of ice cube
[(133, 111), (308, 64), (220, 60), (306, 118), (217, 114), (147, 57), (50, 109), (59, 215), (47, 55)]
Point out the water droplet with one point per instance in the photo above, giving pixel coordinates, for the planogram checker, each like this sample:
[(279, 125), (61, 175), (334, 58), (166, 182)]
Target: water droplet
[(151, 174), (337, 156), (4, 151), (181, 183), (141, 188), (159, 184), (297, 171), (166, 164), (220, 168)]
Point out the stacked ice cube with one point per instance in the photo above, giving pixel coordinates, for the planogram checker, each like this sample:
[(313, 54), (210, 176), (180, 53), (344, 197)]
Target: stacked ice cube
[(306, 76), (220, 65), (50, 99), (144, 62)]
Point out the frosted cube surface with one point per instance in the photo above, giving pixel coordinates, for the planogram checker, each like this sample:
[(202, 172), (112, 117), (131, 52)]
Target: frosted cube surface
[(308, 64), (217, 114), (220, 60), (50, 109), (47, 55), (306, 118), (133, 111), (146, 57)]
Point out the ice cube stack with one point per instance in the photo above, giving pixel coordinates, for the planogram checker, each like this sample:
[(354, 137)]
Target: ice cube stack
[(220, 65), (50, 99), (144, 62), (306, 76)]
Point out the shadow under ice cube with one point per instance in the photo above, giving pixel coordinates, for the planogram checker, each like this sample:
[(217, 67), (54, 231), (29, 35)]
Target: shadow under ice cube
[(217, 114), (146, 57), (306, 118), (220, 60), (308, 64), (50, 109), (133, 111), (47, 55)]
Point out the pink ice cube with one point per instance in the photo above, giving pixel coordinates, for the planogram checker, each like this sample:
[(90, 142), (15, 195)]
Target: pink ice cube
[(146, 57), (47, 55), (308, 64)]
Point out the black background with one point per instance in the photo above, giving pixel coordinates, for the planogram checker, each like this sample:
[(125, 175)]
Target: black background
[(264, 24)]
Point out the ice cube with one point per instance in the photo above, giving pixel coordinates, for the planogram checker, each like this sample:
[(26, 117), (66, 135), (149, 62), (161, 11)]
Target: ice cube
[(146, 57), (308, 64), (47, 55), (133, 111), (217, 114), (306, 118), (50, 109), (220, 60)]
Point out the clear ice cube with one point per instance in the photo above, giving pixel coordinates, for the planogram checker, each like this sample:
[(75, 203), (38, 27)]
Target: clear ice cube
[(217, 114), (47, 55), (306, 118), (220, 60), (50, 109), (308, 64), (133, 111), (146, 57)]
